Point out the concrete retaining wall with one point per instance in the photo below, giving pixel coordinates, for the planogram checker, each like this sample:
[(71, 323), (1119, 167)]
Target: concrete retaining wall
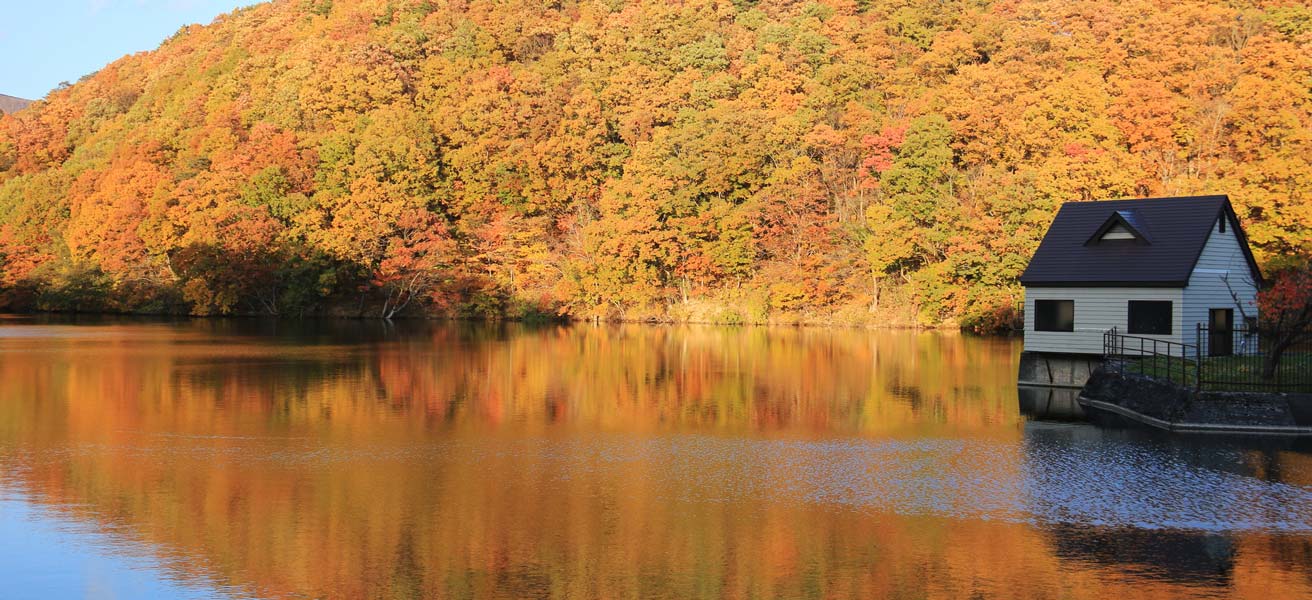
[(1057, 370)]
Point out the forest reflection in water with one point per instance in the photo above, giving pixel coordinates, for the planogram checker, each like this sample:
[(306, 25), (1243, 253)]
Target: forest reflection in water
[(353, 460)]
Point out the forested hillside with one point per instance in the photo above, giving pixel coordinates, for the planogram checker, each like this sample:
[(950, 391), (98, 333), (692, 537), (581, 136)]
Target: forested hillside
[(855, 161)]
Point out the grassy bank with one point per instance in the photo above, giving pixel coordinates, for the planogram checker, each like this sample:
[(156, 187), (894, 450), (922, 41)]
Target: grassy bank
[(1229, 373)]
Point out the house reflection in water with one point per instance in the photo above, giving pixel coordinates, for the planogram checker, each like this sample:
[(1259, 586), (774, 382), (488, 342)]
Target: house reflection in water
[(1050, 403), (1142, 505), (1184, 557)]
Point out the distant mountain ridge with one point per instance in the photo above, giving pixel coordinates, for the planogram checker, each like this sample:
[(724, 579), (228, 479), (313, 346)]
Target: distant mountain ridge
[(9, 104)]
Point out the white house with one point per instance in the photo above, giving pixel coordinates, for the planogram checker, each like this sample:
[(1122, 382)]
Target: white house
[(1153, 268)]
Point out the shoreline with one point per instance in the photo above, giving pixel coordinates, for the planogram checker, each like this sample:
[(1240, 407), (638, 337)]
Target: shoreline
[(53, 315), (1191, 427), (1165, 406)]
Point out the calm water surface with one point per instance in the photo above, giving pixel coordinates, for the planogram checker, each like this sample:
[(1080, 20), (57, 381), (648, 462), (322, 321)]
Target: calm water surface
[(355, 460)]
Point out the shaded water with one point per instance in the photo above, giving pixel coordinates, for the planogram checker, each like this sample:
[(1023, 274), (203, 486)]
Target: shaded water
[(353, 460)]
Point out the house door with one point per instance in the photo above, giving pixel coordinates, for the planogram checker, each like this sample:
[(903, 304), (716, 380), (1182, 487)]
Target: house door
[(1220, 332)]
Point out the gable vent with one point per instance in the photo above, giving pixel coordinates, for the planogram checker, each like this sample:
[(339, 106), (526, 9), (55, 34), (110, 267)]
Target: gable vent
[(1118, 232)]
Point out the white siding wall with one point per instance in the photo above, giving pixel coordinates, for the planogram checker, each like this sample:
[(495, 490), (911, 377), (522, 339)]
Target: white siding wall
[(1222, 262), (1096, 311)]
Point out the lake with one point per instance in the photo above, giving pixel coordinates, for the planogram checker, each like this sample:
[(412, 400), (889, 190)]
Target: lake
[(249, 459)]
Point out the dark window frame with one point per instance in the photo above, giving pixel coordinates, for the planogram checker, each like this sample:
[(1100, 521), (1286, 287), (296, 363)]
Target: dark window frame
[(1050, 316), (1149, 319)]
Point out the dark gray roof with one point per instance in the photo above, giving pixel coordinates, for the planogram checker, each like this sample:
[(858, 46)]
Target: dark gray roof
[(1171, 232)]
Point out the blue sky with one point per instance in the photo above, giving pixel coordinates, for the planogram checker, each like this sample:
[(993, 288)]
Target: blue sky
[(44, 42)]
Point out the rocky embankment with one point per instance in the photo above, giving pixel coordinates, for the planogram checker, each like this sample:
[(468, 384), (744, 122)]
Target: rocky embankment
[(1168, 406)]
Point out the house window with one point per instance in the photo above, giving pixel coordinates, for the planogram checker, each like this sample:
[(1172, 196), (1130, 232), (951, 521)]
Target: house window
[(1222, 225), (1151, 317), (1054, 315)]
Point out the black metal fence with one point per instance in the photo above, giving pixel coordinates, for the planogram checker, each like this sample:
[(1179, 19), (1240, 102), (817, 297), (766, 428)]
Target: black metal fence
[(1233, 359)]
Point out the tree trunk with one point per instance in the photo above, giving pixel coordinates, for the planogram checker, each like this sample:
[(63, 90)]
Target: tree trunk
[(1271, 362), (874, 288)]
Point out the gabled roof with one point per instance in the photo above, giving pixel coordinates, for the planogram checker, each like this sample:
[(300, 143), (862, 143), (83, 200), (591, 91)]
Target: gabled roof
[(1170, 235)]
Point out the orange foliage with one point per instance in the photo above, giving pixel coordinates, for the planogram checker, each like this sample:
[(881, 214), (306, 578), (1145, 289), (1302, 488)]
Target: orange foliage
[(742, 161)]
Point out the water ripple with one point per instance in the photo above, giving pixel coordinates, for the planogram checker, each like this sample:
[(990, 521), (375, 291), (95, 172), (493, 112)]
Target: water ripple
[(1045, 479)]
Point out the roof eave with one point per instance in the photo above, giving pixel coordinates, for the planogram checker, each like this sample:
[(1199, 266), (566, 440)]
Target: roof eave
[(1104, 284), (1228, 210)]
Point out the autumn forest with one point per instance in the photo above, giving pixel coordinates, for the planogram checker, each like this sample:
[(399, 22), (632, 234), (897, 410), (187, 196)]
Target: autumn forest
[(732, 161)]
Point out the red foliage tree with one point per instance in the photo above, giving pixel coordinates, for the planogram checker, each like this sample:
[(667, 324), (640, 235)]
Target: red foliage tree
[(1285, 307)]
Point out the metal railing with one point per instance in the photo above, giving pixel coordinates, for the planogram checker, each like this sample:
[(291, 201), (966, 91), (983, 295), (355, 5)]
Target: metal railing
[(1162, 359), (1232, 360), (1235, 359)]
